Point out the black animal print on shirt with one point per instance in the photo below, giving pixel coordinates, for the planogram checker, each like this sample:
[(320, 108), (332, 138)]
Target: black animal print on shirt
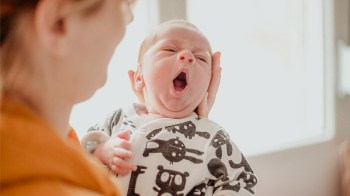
[(218, 169), (170, 182), (198, 190), (248, 176), (114, 120), (188, 129), (233, 186), (128, 122), (133, 179), (173, 150), (221, 138), (153, 133), (244, 180), (249, 179), (244, 163)]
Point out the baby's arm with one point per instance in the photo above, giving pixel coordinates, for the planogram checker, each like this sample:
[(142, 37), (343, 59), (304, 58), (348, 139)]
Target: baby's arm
[(230, 171), (115, 153), (110, 148)]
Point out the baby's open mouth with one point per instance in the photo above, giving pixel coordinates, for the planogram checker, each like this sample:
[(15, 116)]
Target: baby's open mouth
[(180, 82)]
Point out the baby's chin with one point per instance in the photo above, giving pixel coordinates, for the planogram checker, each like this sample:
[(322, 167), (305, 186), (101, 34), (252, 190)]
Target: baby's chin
[(176, 114)]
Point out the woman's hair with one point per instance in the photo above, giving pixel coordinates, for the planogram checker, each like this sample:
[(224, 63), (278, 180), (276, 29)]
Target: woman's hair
[(10, 39), (151, 39)]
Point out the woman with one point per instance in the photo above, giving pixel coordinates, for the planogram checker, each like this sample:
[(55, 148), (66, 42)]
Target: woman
[(54, 54)]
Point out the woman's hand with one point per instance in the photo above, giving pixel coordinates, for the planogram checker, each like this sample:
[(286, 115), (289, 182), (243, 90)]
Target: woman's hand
[(208, 101), (115, 153)]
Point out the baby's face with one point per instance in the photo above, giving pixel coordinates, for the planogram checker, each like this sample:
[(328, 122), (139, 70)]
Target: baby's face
[(176, 71)]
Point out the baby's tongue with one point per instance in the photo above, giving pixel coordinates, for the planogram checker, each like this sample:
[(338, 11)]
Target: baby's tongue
[(179, 85)]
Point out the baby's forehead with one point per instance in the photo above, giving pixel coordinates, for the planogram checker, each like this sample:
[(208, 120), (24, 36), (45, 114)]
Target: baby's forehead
[(172, 32), (161, 31), (178, 31)]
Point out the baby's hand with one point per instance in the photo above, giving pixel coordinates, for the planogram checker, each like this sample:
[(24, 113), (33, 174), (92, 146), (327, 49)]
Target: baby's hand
[(208, 101), (115, 153)]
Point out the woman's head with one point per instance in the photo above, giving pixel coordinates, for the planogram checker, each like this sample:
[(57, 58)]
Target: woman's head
[(59, 46)]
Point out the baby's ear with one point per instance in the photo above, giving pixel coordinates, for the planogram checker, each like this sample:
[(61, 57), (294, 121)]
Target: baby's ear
[(137, 83), (138, 78)]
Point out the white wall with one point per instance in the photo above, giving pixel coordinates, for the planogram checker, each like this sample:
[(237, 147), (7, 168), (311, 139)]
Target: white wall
[(312, 170)]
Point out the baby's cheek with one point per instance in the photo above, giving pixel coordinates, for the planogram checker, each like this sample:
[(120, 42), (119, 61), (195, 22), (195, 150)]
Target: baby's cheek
[(204, 82)]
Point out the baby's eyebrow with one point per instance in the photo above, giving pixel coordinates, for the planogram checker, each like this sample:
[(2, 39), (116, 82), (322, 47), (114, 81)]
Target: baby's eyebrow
[(202, 50), (170, 41), (178, 43)]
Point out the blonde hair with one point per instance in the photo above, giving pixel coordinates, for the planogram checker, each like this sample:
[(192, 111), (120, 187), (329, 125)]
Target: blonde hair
[(11, 47), (151, 38)]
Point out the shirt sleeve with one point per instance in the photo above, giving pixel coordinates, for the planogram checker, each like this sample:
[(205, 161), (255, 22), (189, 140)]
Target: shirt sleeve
[(101, 132), (230, 172)]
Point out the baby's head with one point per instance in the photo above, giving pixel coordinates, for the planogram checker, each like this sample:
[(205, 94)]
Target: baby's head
[(174, 69)]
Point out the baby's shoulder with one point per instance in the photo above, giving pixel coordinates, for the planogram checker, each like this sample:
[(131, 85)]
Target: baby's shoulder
[(206, 123)]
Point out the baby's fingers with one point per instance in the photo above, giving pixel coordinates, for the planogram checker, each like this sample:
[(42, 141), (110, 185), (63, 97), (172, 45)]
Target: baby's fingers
[(120, 143), (122, 153), (124, 134), (122, 167)]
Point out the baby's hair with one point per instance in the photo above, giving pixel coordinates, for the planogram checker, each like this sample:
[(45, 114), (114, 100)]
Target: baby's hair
[(179, 21), (151, 38)]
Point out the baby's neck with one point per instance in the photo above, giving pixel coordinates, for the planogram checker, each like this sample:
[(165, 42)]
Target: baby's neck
[(148, 114), (141, 110), (149, 117)]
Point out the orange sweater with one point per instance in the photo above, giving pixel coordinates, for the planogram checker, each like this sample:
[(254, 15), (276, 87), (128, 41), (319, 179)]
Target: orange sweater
[(73, 136), (35, 160)]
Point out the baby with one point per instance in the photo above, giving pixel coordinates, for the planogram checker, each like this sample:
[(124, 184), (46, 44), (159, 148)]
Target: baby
[(168, 148)]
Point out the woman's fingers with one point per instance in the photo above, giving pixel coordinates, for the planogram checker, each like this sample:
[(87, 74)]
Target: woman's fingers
[(202, 109), (208, 101), (215, 80)]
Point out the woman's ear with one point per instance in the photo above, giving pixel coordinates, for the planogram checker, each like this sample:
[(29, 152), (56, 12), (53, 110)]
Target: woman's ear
[(137, 83), (50, 23)]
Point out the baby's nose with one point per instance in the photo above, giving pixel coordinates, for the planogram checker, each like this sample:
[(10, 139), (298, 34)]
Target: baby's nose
[(186, 57)]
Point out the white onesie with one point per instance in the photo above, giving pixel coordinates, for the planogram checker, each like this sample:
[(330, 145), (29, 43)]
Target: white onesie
[(187, 156)]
